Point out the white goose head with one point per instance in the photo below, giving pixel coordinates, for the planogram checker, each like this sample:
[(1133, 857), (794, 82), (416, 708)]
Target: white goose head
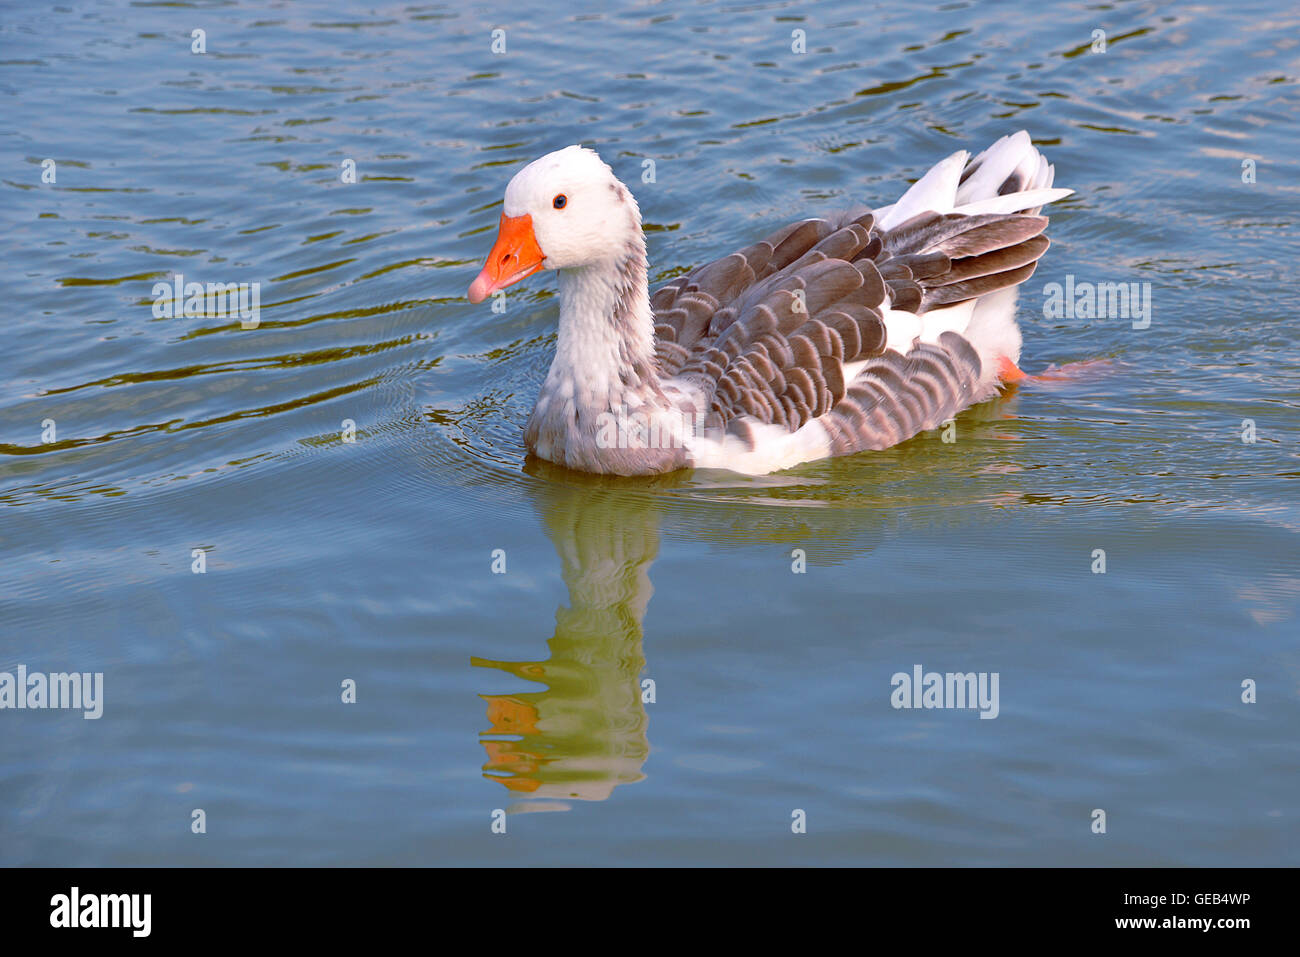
[(566, 210)]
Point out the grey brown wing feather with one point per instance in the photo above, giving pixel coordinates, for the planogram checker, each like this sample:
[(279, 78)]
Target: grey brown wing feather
[(763, 334)]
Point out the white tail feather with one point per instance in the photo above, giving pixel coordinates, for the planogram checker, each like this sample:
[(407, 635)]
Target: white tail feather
[(988, 323), (1013, 202), (935, 191)]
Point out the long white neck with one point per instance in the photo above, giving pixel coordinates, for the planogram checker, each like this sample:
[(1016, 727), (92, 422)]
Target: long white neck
[(604, 356), (604, 370)]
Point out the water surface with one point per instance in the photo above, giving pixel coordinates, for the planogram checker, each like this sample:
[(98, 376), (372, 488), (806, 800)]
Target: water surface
[(372, 561)]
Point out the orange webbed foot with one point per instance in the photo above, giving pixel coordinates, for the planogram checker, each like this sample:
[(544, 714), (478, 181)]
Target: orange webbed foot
[(1011, 374)]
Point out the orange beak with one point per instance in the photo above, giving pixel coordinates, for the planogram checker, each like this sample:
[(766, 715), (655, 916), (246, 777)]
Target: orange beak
[(514, 256)]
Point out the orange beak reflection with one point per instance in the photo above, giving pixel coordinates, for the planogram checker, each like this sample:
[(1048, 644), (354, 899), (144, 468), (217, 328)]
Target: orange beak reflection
[(514, 256)]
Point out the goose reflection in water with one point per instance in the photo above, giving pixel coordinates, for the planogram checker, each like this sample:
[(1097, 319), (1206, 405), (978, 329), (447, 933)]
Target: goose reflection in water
[(585, 733)]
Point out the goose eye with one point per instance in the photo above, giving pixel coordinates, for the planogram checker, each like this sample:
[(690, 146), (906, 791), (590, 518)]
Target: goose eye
[(560, 201)]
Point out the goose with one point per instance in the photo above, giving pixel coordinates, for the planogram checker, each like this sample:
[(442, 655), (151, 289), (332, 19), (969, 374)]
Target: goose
[(831, 336)]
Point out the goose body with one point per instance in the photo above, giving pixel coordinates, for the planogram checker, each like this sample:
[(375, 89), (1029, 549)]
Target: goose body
[(828, 337)]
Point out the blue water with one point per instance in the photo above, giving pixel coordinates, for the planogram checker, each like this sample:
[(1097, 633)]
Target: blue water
[(372, 561)]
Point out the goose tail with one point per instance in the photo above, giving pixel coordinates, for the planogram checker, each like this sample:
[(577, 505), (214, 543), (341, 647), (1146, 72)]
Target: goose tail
[(1001, 191)]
